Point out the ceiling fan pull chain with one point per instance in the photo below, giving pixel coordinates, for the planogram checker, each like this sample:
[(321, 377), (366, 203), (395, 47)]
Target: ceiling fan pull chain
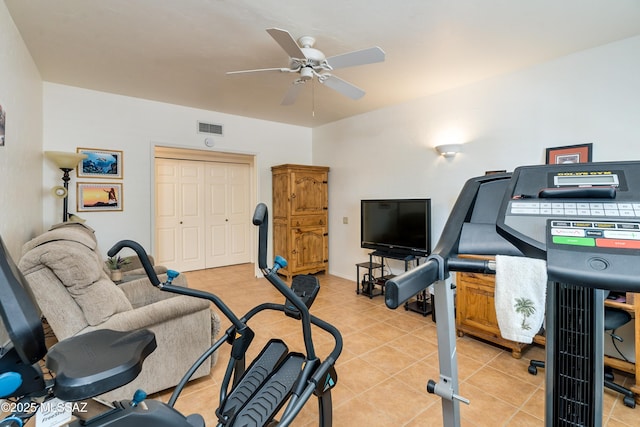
[(313, 99)]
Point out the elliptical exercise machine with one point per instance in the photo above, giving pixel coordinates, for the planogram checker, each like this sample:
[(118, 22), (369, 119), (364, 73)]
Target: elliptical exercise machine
[(91, 364)]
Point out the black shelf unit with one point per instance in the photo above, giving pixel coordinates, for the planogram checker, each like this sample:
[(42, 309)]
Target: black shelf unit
[(422, 304), (368, 285), (372, 285)]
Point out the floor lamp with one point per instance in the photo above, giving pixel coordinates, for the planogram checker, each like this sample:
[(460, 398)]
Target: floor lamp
[(67, 162)]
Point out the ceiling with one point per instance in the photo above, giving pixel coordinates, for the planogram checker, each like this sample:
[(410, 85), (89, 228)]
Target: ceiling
[(178, 51)]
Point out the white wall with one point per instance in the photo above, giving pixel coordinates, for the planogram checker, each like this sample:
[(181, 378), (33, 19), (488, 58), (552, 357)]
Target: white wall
[(21, 157), (592, 96), (75, 117)]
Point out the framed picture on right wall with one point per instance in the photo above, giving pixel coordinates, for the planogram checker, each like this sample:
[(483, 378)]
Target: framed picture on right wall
[(569, 154)]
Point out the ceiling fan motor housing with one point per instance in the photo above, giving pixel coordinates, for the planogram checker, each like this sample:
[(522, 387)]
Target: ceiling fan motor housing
[(313, 55)]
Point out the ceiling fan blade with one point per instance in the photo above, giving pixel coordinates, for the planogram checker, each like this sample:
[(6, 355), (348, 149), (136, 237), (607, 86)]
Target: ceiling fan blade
[(287, 42), (292, 94), (341, 86), (259, 70), (358, 57)]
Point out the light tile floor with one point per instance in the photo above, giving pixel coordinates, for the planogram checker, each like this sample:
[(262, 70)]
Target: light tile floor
[(387, 359)]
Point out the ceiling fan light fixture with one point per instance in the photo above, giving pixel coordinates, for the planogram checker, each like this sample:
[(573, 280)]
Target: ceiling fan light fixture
[(306, 73)]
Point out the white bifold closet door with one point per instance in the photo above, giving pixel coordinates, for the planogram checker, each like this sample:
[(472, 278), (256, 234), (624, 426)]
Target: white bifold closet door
[(203, 214)]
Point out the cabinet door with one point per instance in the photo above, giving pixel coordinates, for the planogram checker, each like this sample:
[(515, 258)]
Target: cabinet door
[(281, 194), (280, 241), (308, 248), (308, 192), (475, 302)]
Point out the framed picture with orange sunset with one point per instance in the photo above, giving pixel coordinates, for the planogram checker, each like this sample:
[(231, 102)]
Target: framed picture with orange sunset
[(96, 197)]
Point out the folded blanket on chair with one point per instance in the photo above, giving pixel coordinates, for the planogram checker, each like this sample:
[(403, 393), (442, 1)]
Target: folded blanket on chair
[(521, 287)]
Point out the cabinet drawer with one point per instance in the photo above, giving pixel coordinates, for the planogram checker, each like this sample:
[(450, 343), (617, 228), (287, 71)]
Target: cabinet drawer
[(485, 282), (309, 220)]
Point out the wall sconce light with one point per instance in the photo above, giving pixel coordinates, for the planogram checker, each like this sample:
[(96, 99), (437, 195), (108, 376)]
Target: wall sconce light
[(449, 150), (66, 162)]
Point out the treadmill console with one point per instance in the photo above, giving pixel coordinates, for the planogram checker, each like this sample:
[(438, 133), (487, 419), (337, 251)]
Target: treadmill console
[(583, 218)]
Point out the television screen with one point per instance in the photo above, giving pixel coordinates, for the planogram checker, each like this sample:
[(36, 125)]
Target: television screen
[(396, 226)]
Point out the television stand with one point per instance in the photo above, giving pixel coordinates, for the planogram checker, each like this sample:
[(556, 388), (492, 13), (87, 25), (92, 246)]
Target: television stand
[(422, 304), (368, 285)]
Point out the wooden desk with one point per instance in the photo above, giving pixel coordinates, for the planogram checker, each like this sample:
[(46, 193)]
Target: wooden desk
[(475, 308), (475, 315), (632, 306)]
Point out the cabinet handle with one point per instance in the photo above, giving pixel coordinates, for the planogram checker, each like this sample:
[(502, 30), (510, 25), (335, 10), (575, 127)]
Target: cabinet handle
[(293, 195)]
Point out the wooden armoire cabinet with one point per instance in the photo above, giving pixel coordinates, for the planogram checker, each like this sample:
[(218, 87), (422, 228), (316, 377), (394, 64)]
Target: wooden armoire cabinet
[(300, 218)]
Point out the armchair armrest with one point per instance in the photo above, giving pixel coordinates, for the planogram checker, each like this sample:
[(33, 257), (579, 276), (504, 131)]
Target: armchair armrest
[(134, 263), (134, 266), (141, 292), (153, 314), (159, 269)]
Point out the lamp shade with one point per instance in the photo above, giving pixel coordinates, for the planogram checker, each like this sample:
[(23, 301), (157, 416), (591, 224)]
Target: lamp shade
[(63, 159)]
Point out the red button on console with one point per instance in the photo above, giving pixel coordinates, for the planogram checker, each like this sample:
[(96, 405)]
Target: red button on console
[(618, 243)]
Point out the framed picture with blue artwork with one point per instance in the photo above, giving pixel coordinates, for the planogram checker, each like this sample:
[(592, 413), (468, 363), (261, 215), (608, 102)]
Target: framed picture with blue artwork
[(100, 163)]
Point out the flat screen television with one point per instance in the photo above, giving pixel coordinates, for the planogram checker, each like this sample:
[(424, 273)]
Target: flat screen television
[(396, 226)]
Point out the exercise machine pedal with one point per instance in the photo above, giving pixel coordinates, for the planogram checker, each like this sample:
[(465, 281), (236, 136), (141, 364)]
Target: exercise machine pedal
[(269, 358), (273, 393), (149, 413), (306, 287)]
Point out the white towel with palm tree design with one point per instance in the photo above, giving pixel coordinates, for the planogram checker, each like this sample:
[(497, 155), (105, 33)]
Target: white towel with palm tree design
[(521, 287)]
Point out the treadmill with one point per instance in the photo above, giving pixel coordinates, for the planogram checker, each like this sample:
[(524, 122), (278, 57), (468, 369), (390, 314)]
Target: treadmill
[(584, 220)]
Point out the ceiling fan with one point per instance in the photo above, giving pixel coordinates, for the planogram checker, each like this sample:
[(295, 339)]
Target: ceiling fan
[(309, 62)]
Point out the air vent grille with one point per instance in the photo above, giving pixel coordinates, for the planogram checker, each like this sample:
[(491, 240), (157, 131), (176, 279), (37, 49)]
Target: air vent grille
[(210, 128)]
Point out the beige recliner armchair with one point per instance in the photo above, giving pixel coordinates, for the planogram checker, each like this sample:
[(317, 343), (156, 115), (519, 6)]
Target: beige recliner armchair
[(65, 271)]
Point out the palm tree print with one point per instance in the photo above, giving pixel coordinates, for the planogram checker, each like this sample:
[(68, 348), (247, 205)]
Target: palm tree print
[(525, 307)]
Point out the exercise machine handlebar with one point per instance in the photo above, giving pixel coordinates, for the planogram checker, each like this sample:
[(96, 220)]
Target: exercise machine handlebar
[(402, 287), (468, 265), (167, 286), (261, 219), (405, 286), (142, 255)]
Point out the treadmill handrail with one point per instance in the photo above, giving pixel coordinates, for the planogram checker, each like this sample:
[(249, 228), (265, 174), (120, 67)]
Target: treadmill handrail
[(406, 285), (447, 245)]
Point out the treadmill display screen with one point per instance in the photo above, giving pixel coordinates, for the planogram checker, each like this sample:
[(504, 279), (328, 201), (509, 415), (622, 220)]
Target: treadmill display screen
[(585, 180)]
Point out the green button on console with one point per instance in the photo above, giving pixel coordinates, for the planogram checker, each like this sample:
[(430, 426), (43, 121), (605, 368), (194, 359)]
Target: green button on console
[(575, 241)]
